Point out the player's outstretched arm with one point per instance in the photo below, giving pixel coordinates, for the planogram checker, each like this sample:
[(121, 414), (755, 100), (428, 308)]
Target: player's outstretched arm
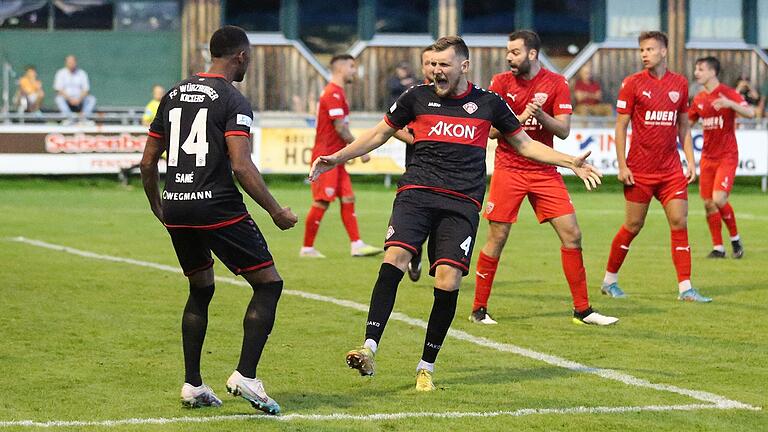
[(370, 140), (625, 175), (404, 136), (239, 149), (684, 135), (150, 177), (537, 151)]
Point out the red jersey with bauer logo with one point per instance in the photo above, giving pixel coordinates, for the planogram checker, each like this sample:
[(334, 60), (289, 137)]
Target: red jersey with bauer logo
[(549, 89), (654, 105), (719, 125), (332, 106)]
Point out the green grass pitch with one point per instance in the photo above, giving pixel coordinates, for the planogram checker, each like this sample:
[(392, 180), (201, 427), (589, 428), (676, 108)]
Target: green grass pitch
[(83, 339)]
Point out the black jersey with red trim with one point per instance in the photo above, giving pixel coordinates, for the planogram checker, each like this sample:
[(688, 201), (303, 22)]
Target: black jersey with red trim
[(450, 138), (193, 120)]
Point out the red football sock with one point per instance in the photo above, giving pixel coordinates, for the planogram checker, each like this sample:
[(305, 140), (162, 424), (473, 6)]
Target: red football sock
[(486, 271), (619, 249), (349, 218), (573, 267), (729, 217), (715, 223), (312, 224), (681, 254)]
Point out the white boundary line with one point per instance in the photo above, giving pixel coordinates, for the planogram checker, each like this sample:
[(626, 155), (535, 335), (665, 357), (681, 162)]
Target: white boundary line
[(716, 401), (363, 417)]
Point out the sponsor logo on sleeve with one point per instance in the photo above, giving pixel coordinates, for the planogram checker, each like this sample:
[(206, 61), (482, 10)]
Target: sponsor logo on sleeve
[(566, 106), (335, 112), (244, 120), (621, 104)]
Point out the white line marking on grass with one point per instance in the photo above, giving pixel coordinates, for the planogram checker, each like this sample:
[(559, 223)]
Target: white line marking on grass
[(720, 401), (362, 417)]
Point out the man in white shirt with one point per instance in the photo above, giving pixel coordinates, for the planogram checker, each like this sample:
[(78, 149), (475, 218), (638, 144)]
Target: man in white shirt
[(72, 88)]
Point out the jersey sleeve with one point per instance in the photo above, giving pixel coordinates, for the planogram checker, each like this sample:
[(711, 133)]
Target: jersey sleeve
[(157, 127), (736, 97), (333, 103), (239, 116), (683, 97), (496, 85), (562, 102), (401, 112), (503, 118), (693, 112), (626, 100)]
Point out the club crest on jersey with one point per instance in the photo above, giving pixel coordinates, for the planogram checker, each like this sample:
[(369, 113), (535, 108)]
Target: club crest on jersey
[(470, 107), (674, 96), (540, 98), (329, 191), (489, 207), (390, 232)]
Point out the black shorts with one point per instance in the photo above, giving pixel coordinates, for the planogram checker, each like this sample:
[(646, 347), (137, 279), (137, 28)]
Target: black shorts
[(240, 246), (449, 222)]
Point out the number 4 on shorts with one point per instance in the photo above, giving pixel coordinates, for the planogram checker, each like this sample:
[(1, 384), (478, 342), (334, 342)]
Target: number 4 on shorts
[(465, 245)]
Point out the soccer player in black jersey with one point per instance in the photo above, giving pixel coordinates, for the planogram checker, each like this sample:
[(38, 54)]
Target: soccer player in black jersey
[(440, 194), (204, 124)]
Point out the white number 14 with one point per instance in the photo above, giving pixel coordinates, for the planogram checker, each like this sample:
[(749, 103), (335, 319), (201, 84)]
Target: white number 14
[(195, 144)]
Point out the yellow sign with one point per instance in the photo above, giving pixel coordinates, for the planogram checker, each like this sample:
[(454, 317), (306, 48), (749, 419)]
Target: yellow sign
[(289, 151)]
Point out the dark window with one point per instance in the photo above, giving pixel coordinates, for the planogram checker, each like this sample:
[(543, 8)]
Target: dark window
[(402, 16), (258, 16), (328, 27), (563, 26), (488, 16), (24, 15), (147, 15), (83, 15)]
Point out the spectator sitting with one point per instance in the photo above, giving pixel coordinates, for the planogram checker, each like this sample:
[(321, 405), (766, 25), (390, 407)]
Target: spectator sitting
[(151, 110), (30, 95), (72, 86), (401, 81), (748, 91), (588, 95)]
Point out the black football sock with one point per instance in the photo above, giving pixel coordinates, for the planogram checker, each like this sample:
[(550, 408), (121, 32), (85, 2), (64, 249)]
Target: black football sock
[(193, 325), (257, 325), (382, 300), (443, 310)]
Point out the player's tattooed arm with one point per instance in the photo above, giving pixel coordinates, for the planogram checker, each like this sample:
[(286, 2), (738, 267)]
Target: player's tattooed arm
[(239, 149), (684, 135), (370, 140), (150, 177), (539, 152), (625, 175)]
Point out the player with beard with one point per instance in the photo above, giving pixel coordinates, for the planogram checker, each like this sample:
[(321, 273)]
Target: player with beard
[(542, 100), (717, 105), (204, 124), (655, 100), (333, 134), (440, 194)]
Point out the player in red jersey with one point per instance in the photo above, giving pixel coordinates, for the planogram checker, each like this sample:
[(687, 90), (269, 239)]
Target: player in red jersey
[(332, 135), (542, 100), (655, 100), (717, 106)]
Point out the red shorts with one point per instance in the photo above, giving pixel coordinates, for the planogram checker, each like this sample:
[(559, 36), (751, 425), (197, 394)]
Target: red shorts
[(332, 184), (545, 191), (664, 187), (716, 174)]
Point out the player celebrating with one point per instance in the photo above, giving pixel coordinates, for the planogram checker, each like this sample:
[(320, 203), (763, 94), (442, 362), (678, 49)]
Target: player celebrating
[(440, 193), (717, 105), (333, 134), (204, 124), (656, 101), (543, 100)]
